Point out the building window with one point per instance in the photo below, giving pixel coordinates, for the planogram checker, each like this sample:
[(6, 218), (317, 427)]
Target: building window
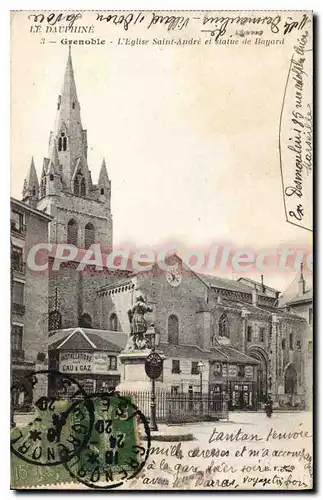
[(101, 191), (85, 321), (17, 222), (290, 380), (283, 344), (224, 326), (176, 366), (174, 390), (310, 316), (240, 370), (195, 368), (62, 142), (249, 333), (17, 259), (83, 187), (51, 177), (89, 236), (16, 337), (72, 232), (73, 105), (217, 369), (298, 345), (34, 191), (43, 186), (114, 323), (291, 341), (112, 362), (262, 335), (173, 329), (18, 293)]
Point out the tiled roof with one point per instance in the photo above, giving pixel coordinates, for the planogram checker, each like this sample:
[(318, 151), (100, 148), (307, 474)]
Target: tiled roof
[(105, 340), (221, 353), (225, 283), (237, 356)]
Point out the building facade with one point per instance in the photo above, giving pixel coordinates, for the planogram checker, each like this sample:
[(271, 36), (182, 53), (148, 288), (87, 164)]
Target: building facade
[(299, 299), (29, 300)]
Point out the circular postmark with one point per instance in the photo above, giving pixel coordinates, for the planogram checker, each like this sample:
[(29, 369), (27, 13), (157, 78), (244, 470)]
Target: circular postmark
[(62, 425), (118, 447)]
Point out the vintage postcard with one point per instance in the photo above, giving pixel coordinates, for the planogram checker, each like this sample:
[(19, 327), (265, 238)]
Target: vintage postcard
[(161, 250)]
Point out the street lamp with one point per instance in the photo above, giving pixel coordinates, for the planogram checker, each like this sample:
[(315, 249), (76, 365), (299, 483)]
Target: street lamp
[(200, 367), (153, 337)]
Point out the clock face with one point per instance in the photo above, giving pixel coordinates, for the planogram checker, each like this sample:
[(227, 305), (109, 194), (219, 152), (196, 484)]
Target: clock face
[(174, 276)]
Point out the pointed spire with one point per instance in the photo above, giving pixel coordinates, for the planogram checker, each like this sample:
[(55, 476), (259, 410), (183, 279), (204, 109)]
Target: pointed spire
[(103, 177), (31, 184), (301, 281)]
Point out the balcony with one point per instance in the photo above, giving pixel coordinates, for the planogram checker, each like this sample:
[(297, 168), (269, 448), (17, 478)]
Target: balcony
[(17, 228), (18, 354), (18, 308), (19, 267)]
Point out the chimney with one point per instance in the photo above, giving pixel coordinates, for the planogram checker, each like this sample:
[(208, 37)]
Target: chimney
[(301, 282), (254, 296), (262, 284)]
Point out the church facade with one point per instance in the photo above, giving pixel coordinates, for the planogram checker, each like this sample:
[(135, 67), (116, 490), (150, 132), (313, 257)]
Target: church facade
[(248, 346)]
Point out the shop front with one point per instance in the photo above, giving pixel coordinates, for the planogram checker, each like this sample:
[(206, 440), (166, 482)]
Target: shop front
[(88, 360)]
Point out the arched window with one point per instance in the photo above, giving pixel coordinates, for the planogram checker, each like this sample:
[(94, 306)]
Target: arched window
[(34, 191), (73, 105), (43, 187), (173, 329), (76, 186), (83, 187), (51, 177), (291, 341), (101, 191), (79, 184), (62, 142), (290, 380), (283, 344), (89, 235), (224, 326), (85, 321), (114, 323), (72, 232)]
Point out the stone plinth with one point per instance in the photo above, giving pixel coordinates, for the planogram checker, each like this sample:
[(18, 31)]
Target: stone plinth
[(133, 374)]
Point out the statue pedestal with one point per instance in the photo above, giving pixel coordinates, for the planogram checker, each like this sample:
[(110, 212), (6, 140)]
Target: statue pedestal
[(133, 374)]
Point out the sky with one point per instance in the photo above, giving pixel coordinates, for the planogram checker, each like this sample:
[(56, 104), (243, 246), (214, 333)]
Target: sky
[(189, 134)]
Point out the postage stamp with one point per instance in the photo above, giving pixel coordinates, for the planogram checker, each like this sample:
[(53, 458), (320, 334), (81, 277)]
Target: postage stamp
[(161, 227)]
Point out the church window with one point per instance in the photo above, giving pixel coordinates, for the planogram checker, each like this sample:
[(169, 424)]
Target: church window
[(102, 191), (173, 329), (290, 380), (85, 321), (62, 142), (73, 105), (291, 341), (283, 344), (89, 235), (249, 333), (224, 326), (34, 191), (72, 232), (43, 187), (76, 185), (114, 323), (83, 187), (51, 177)]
